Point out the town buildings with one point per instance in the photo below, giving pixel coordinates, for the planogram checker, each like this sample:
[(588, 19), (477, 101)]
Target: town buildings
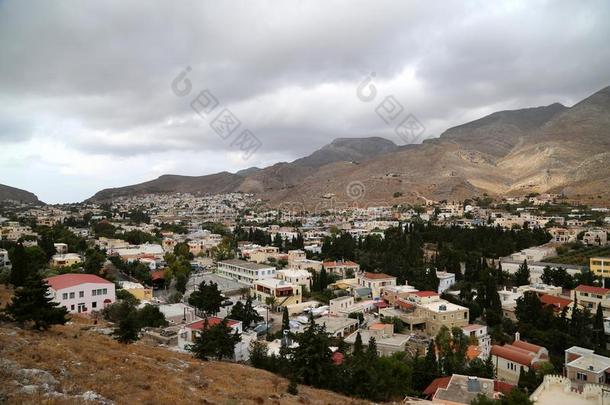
[(276, 292)]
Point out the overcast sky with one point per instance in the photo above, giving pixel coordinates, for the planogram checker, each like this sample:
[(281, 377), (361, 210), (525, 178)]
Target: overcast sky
[(86, 99)]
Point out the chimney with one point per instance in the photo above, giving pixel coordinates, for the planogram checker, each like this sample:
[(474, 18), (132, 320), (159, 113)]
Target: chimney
[(517, 336)]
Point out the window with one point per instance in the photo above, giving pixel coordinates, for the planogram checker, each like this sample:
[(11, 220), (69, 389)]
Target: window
[(105, 291), (81, 294), (71, 295), (94, 304), (94, 292), (64, 296), (581, 376), (72, 307)]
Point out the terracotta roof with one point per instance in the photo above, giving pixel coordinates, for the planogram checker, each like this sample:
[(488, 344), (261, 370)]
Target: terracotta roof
[(472, 352), (377, 326), (377, 276), (503, 387), (212, 321), (557, 302), (70, 280), (425, 293), (592, 289), (158, 275), (530, 347), (437, 383), (337, 358), (512, 353)]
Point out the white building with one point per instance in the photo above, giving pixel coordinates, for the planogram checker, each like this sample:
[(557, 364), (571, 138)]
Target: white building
[(81, 293), (445, 281), (298, 277), (4, 260), (244, 272)]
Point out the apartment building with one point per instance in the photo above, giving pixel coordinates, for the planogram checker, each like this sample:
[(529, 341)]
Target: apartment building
[(81, 293), (584, 366), (590, 297), (443, 313), (243, 271), (600, 266), (375, 282), (279, 292)]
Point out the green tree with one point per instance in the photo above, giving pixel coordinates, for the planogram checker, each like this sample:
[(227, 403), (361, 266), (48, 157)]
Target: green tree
[(358, 346), (31, 303), (94, 260), (207, 298), (125, 315), (150, 316), (522, 276), (20, 269), (217, 341), (598, 328), (285, 319), (311, 359)]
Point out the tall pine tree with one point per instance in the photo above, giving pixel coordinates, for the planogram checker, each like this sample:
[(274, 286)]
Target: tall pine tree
[(31, 303)]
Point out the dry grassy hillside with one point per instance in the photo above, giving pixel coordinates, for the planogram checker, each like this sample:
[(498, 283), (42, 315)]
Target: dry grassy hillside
[(74, 364)]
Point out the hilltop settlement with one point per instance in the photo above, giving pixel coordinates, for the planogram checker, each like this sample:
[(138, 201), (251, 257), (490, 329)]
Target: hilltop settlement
[(479, 301)]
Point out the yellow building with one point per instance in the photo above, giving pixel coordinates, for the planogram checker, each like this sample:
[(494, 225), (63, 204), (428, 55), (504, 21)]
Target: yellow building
[(137, 290), (600, 266)]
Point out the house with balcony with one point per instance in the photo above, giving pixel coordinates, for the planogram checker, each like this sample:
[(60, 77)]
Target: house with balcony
[(375, 282), (279, 292), (590, 297), (343, 268)]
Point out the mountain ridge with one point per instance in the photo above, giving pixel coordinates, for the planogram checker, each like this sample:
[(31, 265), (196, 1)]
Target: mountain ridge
[(546, 148), (17, 194)]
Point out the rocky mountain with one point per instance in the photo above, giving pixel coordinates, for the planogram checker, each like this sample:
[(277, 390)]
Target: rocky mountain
[(550, 148), (16, 194), (348, 149)]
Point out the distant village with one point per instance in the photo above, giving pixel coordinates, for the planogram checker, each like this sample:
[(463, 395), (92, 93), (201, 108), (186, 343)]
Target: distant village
[(474, 300)]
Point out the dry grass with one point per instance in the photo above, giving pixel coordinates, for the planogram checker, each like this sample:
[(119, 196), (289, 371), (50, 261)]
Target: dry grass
[(5, 295), (83, 360)]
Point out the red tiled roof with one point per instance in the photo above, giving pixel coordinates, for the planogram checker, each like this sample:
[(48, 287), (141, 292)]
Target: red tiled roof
[(212, 321), (337, 358), (557, 302), (437, 383), (512, 353), (381, 304), (70, 280), (592, 289), (425, 293), (377, 276), (404, 304), (158, 275), (530, 347), (503, 387)]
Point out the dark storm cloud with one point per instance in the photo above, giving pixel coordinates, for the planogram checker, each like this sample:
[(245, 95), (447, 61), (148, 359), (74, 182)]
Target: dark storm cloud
[(94, 77)]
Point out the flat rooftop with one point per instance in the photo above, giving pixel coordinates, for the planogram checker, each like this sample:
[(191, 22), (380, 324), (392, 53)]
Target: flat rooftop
[(246, 265), (435, 306)]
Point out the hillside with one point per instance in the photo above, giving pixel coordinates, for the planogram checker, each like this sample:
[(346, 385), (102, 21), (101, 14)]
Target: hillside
[(542, 149), (72, 363), (16, 194)]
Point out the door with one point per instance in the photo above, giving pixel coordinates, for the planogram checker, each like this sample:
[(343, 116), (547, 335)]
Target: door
[(81, 308)]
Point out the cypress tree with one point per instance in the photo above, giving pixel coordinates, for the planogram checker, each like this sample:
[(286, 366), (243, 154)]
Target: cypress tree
[(32, 304)]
